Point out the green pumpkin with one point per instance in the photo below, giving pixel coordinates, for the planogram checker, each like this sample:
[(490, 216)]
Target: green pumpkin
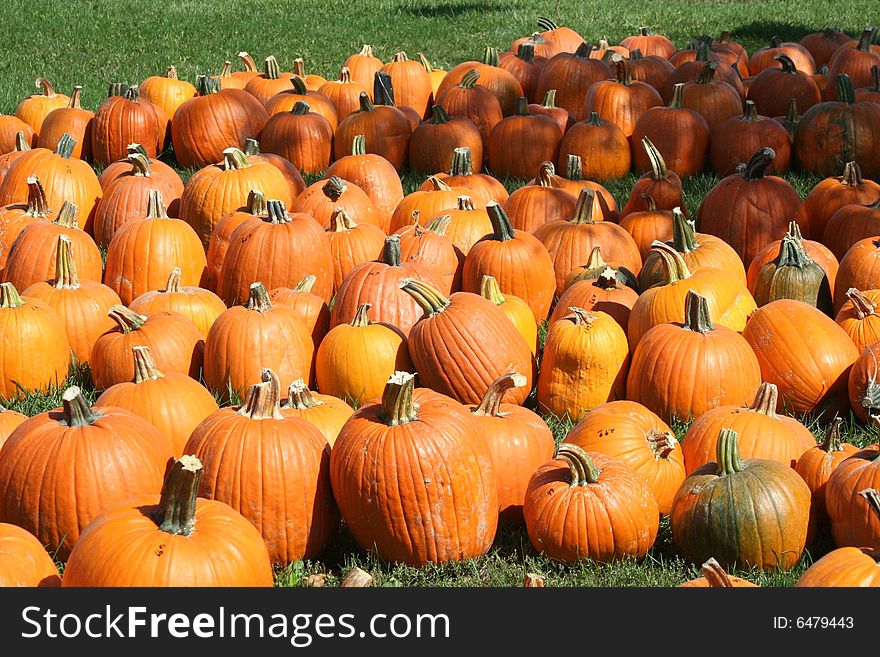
[(794, 275)]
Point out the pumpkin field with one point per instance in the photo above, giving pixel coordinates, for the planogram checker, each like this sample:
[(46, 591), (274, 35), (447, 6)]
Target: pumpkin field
[(459, 293)]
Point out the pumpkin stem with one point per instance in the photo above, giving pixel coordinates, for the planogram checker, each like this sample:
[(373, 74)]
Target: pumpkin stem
[(727, 453), (299, 86), (579, 316), (362, 316), (707, 75), (391, 254), (545, 175), (9, 296), (845, 91), (662, 443), (674, 266), (258, 298), (765, 400), (489, 289), (424, 61), (263, 400), (852, 174), (74, 102), (306, 284), (133, 149), (144, 365), (703, 52), (251, 147), (440, 224), (21, 142), (48, 89), (696, 313), (469, 79), (65, 146), (490, 404), (171, 73), (583, 51), (866, 39), (127, 320), (501, 228), (397, 399), (547, 24), (76, 411), (658, 164), (607, 279), (438, 185), (751, 112), (359, 145), (341, 221), (173, 284), (67, 215), (521, 106), (649, 202), (301, 108), (595, 120), (256, 203), (234, 158), (177, 503), (439, 115), (116, 89), (832, 441), (583, 210), (581, 465), (623, 72), (465, 203), (300, 397), (872, 497), (757, 165), (792, 253), (334, 188), (526, 52), (276, 212), (298, 68), (490, 56), (574, 167), (249, 64), (715, 575), (677, 101), (155, 206), (684, 237), (862, 305), (140, 165), (37, 206), (787, 64), (207, 85), (133, 93), (383, 89), (429, 298), (549, 99), (65, 269), (462, 164), (271, 69)]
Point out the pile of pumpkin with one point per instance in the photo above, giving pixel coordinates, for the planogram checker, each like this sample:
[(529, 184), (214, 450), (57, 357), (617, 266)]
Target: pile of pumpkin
[(292, 304)]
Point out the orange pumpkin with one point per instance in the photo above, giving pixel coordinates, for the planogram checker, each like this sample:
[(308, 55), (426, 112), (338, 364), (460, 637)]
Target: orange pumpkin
[(311, 308), (352, 244), (533, 205), (34, 109), (73, 120), (167, 91), (328, 414), (817, 463), (23, 559), (198, 305), (16, 216), (831, 194), (514, 308), (126, 118)]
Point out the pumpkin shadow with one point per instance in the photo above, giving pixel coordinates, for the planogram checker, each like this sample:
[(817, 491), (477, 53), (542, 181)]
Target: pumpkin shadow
[(763, 31), (446, 9)]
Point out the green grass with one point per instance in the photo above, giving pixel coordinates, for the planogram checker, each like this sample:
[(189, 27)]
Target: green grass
[(96, 42)]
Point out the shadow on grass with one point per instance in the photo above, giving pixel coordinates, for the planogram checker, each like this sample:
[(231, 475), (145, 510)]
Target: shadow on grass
[(447, 9)]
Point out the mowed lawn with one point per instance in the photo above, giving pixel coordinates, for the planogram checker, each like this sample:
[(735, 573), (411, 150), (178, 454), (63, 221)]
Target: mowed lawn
[(95, 42)]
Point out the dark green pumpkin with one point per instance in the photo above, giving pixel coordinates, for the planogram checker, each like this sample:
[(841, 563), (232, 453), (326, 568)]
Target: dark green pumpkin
[(794, 275), (745, 513)]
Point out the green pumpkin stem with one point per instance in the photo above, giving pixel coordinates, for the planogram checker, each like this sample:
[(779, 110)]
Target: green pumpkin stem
[(362, 316), (684, 237), (707, 75), (140, 165), (429, 298), (359, 145), (127, 320), (155, 207), (65, 146), (872, 497), (545, 174), (299, 397), (490, 404), (133, 93), (489, 289), (9, 296), (526, 52), (301, 108), (383, 89), (787, 64), (677, 101), (263, 400), (862, 305), (845, 91), (696, 313), (366, 105), (832, 442), (583, 210), (574, 167), (271, 69), (658, 164), (299, 86), (334, 188), (391, 254), (674, 266), (727, 453), (68, 215), (256, 203), (207, 85), (144, 365), (581, 465), (176, 514), (595, 120), (37, 206), (866, 39), (521, 106), (757, 165), (462, 164), (439, 115), (258, 298), (501, 228), (75, 409), (251, 147), (276, 212), (792, 253), (439, 224), (65, 268), (306, 284), (490, 56), (234, 158), (116, 89), (397, 400), (549, 101), (469, 79)]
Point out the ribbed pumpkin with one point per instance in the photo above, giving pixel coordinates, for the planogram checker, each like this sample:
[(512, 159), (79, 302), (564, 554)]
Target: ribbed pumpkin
[(652, 69), (363, 66), (649, 43), (205, 126), (167, 91), (766, 57), (373, 174), (713, 99), (501, 83), (648, 225), (73, 120), (143, 253), (34, 109), (270, 82), (571, 74), (226, 79), (429, 246), (564, 119), (323, 198), (82, 306), (735, 139), (219, 242), (832, 133), (15, 217), (715, 366), (714, 576), (570, 241), (200, 542), (518, 440), (123, 167), (344, 92), (464, 225), (20, 147), (520, 142), (312, 81), (446, 507), (246, 338), (295, 182), (701, 54), (386, 131), (535, 204), (855, 59), (197, 304), (745, 512), (773, 89), (859, 269), (658, 181), (817, 463), (64, 178), (23, 560), (605, 293), (518, 261), (584, 364), (631, 433), (433, 142), (127, 198), (328, 414), (412, 85), (426, 203), (621, 100), (793, 275), (437, 75), (849, 504), (311, 308), (176, 344), (849, 224), (863, 388), (126, 118), (831, 194), (214, 191), (318, 103), (352, 244), (46, 360), (804, 353), (601, 145), (678, 134), (278, 248), (288, 497), (816, 251), (301, 136), (470, 99), (10, 127), (729, 301), (566, 493), (383, 94), (9, 421), (174, 403), (823, 44), (858, 317), (355, 360), (763, 433), (32, 256), (483, 186), (441, 344), (748, 210), (514, 308), (61, 468)]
